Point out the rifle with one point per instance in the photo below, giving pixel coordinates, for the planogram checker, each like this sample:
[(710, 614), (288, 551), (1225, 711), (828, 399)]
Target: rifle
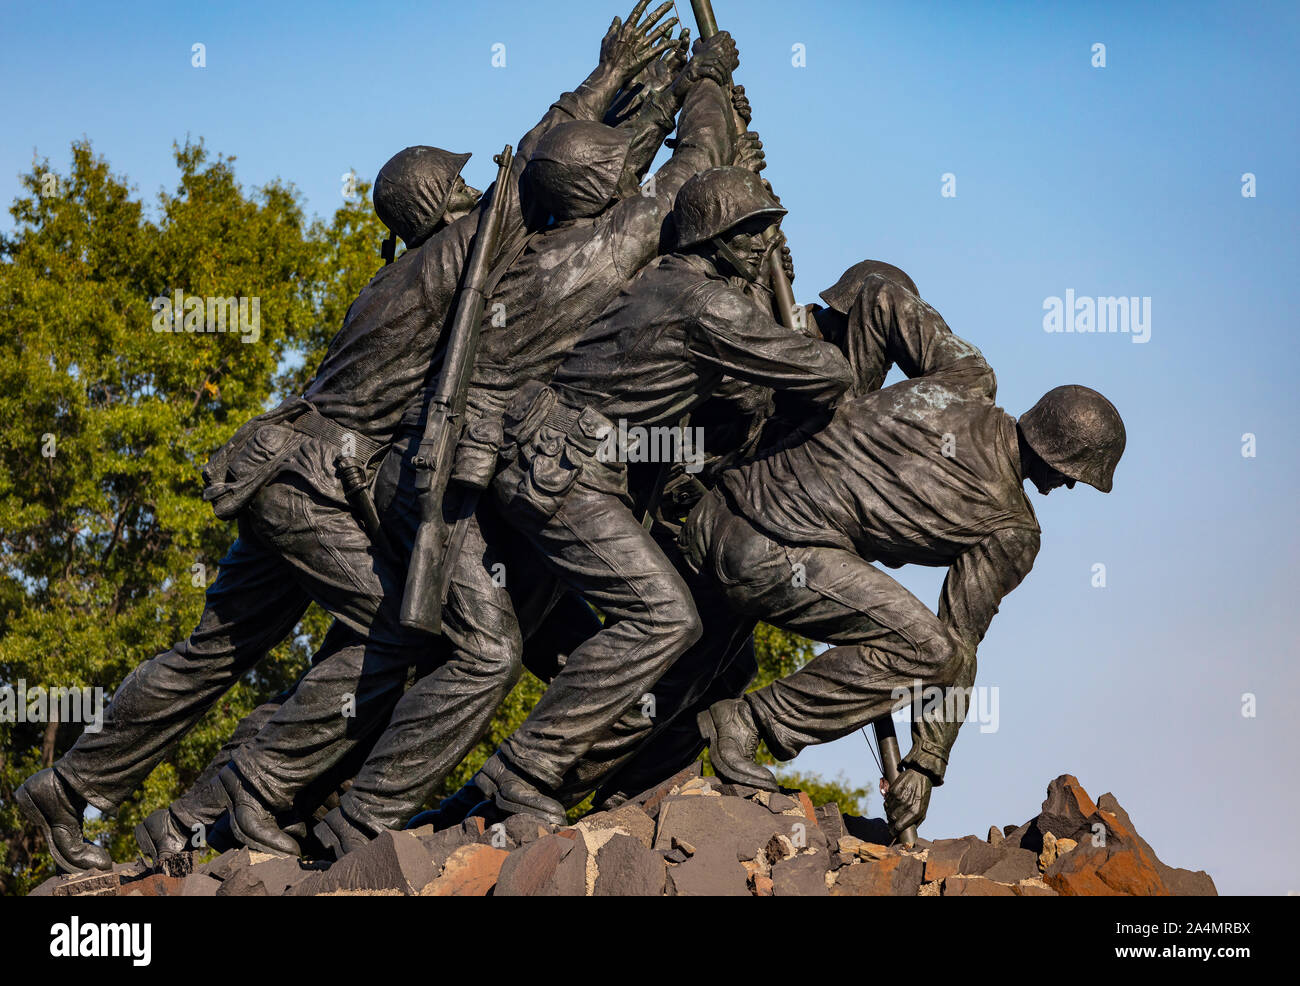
[(432, 553), (782, 295)]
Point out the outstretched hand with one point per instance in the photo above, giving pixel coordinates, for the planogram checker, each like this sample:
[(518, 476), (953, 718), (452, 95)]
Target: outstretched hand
[(629, 47)]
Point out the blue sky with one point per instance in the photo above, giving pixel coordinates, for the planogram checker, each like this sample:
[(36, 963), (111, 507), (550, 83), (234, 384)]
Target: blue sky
[(1122, 180)]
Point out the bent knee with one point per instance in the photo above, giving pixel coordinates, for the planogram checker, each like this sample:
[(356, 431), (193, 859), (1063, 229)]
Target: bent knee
[(674, 619), (944, 657)]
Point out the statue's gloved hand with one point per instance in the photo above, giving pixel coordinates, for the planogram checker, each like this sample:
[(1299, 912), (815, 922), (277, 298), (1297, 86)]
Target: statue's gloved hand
[(908, 800), (749, 152), (787, 259), (714, 58), (740, 103), (629, 47)]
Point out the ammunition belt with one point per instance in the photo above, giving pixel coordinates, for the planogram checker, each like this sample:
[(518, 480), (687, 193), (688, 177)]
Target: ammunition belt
[(314, 423)]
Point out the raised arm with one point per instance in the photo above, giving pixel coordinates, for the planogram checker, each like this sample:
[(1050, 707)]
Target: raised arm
[(704, 137), (889, 324), (731, 334), (625, 50)]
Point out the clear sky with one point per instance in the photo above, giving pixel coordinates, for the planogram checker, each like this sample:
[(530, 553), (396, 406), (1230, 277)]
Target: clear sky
[(1105, 181)]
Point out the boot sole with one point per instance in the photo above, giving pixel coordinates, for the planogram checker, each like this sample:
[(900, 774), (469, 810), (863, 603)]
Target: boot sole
[(34, 815)]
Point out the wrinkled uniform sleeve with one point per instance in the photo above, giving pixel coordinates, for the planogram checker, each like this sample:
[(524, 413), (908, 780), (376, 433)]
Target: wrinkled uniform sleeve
[(889, 324), (728, 332), (703, 141), (976, 584)]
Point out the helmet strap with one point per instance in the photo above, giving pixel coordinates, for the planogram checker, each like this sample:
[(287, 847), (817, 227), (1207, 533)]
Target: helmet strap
[(732, 260)]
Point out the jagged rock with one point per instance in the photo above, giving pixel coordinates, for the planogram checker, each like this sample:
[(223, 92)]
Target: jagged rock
[(96, 884), (231, 860), (650, 801), (553, 866), (806, 807), (179, 865), (944, 857), (777, 803), (200, 885), (1110, 857), (738, 790), (711, 872), (830, 822), (626, 867), (975, 886), (1001, 863), (1034, 888), (441, 845), (897, 875), (523, 829), (628, 818), (694, 836), (1179, 882), (395, 862), (153, 885), (471, 871), (800, 876), (269, 877), (736, 827)]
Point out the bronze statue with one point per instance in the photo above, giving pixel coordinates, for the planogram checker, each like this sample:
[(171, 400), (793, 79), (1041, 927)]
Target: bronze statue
[(483, 406)]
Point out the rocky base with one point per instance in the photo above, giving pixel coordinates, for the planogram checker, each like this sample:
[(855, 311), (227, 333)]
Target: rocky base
[(696, 836)]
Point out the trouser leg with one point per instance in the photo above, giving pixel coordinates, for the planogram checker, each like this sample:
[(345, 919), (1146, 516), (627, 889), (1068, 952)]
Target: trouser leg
[(658, 737), (675, 744), (362, 668), (204, 802), (444, 714), (253, 604), (599, 549), (891, 640)]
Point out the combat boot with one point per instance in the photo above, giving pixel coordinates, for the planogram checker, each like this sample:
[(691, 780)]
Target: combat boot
[(340, 835), (53, 807), (251, 821), (515, 794), (729, 729), (161, 836)]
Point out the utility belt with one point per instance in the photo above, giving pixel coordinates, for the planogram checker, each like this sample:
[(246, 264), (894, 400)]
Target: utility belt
[(549, 446), (258, 450)]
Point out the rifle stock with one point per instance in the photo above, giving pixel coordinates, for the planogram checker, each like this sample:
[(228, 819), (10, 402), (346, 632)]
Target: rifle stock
[(426, 575)]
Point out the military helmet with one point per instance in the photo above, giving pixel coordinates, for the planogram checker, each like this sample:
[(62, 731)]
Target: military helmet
[(1077, 432), (412, 190), (575, 170), (717, 200), (844, 292)]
